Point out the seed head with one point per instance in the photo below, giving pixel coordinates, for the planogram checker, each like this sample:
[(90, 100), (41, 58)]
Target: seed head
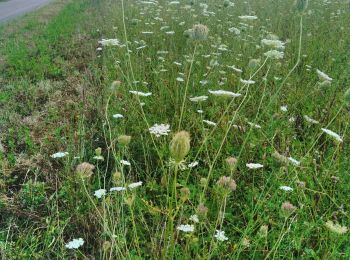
[(85, 170), (199, 32), (231, 162), (287, 208), (227, 183), (180, 146)]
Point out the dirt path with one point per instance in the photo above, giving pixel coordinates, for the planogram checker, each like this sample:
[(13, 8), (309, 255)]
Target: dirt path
[(12, 8)]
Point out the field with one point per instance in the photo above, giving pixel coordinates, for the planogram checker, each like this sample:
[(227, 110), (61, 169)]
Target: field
[(176, 130)]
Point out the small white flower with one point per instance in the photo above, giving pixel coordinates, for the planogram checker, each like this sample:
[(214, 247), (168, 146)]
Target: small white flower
[(109, 42), (273, 54), (220, 235), (117, 189), (194, 218), (209, 122), (286, 188), (118, 116), (59, 155), (310, 120), (139, 93), (254, 125), (294, 161), (247, 82), (224, 93), (135, 185), (179, 79), (193, 164), (200, 111), (199, 98), (254, 165), (248, 17), (124, 162), (276, 44), (284, 108), (186, 228), (75, 243), (100, 193), (323, 76), (159, 130), (333, 134), (234, 30)]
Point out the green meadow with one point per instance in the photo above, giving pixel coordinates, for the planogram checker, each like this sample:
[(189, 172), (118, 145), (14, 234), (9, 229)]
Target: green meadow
[(187, 129)]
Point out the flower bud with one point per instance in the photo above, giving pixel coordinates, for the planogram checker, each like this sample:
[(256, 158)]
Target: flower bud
[(301, 5), (180, 146), (124, 140)]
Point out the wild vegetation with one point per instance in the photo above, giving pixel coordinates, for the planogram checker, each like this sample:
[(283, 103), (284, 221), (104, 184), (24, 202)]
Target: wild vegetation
[(176, 130)]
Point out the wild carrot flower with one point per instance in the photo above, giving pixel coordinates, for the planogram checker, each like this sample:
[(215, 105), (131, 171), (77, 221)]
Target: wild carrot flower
[(100, 193), (118, 116), (220, 235), (59, 155), (159, 130), (194, 218), (209, 122), (276, 44), (224, 93), (332, 134), (186, 228), (286, 188), (124, 162), (254, 165), (192, 164), (247, 82), (75, 243), (248, 17), (323, 76), (135, 185), (336, 228), (139, 93), (109, 42), (199, 98), (117, 189), (310, 120), (274, 54)]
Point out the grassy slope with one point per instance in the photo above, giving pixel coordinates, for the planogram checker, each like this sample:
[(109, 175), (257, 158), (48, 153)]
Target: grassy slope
[(46, 90), (54, 100)]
